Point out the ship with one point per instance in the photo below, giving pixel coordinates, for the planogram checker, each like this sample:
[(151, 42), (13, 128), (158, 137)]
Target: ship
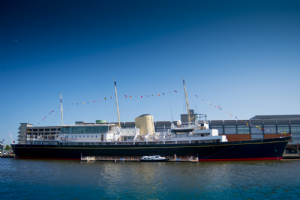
[(107, 140)]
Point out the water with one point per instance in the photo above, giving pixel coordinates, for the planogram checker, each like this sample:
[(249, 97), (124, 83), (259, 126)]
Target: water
[(49, 179)]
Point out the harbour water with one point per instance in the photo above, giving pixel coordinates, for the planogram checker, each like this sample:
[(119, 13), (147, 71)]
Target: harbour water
[(54, 179)]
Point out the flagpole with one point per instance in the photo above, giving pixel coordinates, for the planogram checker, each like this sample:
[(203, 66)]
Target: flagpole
[(117, 102), (61, 110)]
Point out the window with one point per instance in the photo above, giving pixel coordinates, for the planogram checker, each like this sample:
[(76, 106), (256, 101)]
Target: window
[(256, 129), (83, 136), (230, 129), (91, 136), (283, 129), (79, 136), (295, 129), (270, 129), (87, 136), (243, 130), (41, 129), (75, 136)]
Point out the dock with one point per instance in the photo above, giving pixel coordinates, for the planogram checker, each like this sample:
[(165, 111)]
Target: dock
[(291, 157), (135, 159)]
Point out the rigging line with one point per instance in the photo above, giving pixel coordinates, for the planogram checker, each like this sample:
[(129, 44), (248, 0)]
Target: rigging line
[(125, 111), (70, 116), (70, 112), (113, 114), (65, 118), (55, 117)]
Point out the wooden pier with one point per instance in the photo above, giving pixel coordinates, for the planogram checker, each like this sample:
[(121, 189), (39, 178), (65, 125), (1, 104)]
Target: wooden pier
[(291, 157), (135, 159)]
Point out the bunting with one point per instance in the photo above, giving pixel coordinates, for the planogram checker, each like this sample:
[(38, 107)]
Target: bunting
[(219, 107)]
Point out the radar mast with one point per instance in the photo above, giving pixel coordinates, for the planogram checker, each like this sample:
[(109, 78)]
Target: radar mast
[(187, 103)]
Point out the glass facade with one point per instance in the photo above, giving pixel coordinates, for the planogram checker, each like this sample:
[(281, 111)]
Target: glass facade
[(282, 129), (84, 129), (270, 129), (295, 129), (243, 130), (230, 129)]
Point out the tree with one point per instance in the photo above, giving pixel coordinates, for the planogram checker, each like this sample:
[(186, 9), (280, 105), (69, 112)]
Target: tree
[(7, 148)]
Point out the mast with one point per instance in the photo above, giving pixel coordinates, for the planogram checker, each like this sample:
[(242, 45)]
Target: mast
[(61, 110), (117, 102), (187, 103)]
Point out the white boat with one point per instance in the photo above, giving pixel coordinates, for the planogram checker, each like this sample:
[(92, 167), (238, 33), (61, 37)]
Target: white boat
[(155, 158)]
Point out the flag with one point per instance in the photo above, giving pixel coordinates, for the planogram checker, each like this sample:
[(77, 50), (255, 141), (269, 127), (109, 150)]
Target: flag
[(147, 95), (141, 96), (61, 99), (196, 95), (217, 106), (94, 101), (111, 97), (130, 96), (125, 96), (115, 83), (13, 142), (163, 93), (152, 95), (158, 94), (175, 91), (105, 98), (77, 103), (236, 117), (45, 117), (83, 103), (52, 110), (99, 99), (220, 108), (28, 131)]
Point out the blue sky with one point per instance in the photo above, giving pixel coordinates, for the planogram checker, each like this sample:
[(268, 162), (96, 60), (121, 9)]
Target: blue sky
[(240, 55)]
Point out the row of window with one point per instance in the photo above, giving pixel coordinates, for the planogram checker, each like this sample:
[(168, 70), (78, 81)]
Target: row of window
[(83, 136), (255, 129), (85, 129), (29, 130)]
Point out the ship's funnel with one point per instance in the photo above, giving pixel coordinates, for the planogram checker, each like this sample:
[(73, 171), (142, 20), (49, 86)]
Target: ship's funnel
[(145, 122)]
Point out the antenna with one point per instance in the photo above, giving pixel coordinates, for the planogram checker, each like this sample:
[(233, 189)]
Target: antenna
[(61, 110), (12, 141), (117, 102), (171, 111)]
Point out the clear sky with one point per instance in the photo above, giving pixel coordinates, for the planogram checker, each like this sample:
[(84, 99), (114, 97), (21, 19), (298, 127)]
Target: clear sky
[(241, 55)]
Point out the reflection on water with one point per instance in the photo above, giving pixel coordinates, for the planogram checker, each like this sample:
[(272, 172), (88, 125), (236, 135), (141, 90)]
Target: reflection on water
[(35, 179)]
